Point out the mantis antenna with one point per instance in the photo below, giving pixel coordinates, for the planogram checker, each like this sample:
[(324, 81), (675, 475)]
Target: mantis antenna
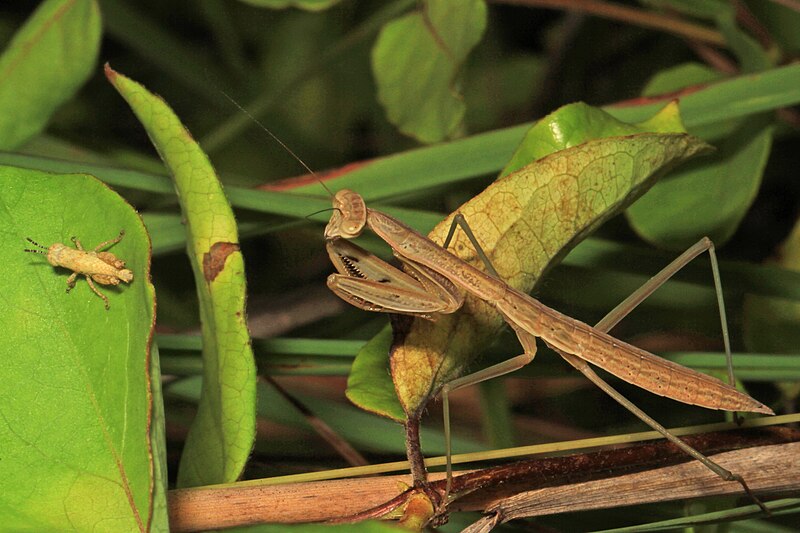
[(280, 142)]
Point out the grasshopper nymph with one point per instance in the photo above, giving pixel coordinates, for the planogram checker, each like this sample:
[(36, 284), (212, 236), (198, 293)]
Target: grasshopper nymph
[(102, 267)]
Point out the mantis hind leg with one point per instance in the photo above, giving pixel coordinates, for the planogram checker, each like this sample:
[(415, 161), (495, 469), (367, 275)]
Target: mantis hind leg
[(630, 303), (650, 286), (613, 318), (724, 473)]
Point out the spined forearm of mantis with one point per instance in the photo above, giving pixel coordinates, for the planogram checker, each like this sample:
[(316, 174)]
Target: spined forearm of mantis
[(435, 281)]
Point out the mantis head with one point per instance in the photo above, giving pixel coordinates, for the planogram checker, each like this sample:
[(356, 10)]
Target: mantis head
[(349, 216)]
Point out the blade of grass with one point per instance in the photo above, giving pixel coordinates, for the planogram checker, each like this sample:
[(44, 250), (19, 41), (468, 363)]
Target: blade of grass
[(777, 508)]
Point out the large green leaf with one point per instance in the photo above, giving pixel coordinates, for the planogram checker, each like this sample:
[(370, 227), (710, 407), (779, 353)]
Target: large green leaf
[(370, 385), (417, 60), (526, 222), (223, 432), (48, 59), (75, 404), (710, 197)]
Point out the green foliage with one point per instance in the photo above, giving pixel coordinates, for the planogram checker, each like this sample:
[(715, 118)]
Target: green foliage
[(416, 61), (222, 436), (76, 408), (674, 214), (364, 84), (43, 66)]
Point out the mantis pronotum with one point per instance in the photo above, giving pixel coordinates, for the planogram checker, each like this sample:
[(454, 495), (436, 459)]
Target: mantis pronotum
[(434, 284)]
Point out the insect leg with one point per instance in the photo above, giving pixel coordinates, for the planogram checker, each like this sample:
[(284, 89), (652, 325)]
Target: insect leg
[(459, 220), (94, 290), (625, 307), (111, 242), (638, 296), (621, 311), (71, 281), (77, 243), (724, 473)]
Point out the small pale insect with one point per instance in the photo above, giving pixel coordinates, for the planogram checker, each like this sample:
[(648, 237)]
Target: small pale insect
[(102, 267)]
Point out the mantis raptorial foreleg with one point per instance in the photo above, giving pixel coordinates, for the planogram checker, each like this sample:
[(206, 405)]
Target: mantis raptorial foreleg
[(371, 284), (606, 324), (530, 318)]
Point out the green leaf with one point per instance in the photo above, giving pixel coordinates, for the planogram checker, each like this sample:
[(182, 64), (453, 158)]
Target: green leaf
[(369, 385), (48, 59), (416, 62), (710, 197), (308, 5), (679, 77), (75, 435), (223, 432), (577, 123), (526, 222), (752, 58)]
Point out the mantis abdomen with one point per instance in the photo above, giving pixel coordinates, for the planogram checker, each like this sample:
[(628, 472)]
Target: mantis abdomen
[(627, 362)]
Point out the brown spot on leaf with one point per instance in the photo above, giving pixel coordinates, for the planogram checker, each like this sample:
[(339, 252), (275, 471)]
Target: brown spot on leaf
[(214, 259)]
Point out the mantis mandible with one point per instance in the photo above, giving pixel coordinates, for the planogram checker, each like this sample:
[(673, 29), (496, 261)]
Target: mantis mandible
[(435, 281)]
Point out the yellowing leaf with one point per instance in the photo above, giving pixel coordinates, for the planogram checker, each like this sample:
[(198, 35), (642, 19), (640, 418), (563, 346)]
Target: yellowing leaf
[(526, 222)]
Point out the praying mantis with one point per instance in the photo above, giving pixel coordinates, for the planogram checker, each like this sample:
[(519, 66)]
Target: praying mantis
[(435, 282)]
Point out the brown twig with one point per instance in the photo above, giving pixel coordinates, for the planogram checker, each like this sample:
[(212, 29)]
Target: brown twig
[(767, 468), (636, 17), (772, 469)]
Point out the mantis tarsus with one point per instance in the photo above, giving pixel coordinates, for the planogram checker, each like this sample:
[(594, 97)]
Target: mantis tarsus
[(435, 281)]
